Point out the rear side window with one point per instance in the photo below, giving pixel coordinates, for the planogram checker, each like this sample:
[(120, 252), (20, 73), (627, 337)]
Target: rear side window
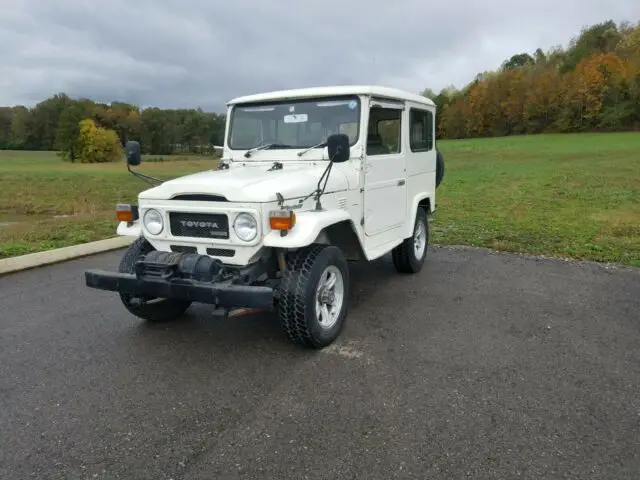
[(421, 130)]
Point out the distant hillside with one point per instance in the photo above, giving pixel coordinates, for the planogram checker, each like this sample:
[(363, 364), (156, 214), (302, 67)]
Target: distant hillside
[(592, 85)]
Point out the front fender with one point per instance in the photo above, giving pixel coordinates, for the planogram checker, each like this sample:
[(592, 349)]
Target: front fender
[(126, 230), (307, 228)]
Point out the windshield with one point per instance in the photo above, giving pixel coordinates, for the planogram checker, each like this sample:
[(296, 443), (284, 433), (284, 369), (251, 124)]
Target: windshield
[(293, 124)]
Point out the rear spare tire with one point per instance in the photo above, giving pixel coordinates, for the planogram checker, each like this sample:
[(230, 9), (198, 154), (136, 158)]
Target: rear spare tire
[(439, 168)]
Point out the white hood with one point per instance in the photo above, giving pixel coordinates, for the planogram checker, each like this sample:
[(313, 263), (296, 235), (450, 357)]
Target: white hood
[(251, 183)]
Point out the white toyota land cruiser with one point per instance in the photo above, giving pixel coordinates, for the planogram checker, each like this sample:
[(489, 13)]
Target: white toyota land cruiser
[(309, 179)]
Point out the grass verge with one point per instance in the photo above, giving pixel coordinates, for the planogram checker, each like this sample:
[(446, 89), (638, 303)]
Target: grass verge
[(46, 203), (562, 195)]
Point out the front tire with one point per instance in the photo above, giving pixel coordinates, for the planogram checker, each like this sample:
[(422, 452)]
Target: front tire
[(409, 256), (150, 309), (313, 296)]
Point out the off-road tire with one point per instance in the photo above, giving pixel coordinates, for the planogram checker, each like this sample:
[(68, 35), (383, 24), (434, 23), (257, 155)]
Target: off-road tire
[(404, 255), (439, 168), (297, 295), (159, 310)]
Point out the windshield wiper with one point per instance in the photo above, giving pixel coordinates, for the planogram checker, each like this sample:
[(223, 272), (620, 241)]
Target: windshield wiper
[(247, 154), (322, 144), (266, 147)]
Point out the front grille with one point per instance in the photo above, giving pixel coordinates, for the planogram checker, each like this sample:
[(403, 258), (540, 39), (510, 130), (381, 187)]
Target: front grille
[(199, 225), (221, 252), (183, 249)]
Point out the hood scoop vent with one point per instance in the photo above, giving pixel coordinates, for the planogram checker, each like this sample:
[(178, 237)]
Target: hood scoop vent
[(199, 197)]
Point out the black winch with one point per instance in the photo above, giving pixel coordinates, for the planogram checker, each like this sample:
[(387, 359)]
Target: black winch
[(192, 266)]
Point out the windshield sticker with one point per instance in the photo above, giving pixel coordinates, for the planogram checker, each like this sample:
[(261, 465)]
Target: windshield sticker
[(299, 118), (353, 104), (292, 109)]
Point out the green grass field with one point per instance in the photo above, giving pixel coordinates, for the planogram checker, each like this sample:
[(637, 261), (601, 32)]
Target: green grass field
[(566, 195)]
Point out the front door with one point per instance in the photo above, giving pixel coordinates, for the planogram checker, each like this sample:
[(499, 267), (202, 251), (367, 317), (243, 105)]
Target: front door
[(385, 188)]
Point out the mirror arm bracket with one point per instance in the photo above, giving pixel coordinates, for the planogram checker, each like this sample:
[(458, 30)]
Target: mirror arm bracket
[(151, 180), (319, 190)]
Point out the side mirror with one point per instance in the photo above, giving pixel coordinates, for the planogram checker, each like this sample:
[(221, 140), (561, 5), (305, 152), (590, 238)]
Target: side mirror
[(132, 150), (338, 147)]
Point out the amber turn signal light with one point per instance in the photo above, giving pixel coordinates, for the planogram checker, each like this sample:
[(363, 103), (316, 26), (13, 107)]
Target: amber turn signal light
[(126, 212), (282, 219)]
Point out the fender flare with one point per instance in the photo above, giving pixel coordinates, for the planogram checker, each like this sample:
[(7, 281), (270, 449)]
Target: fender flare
[(417, 200), (308, 227)]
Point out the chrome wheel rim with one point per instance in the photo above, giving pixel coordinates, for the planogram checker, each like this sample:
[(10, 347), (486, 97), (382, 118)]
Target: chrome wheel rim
[(329, 297), (420, 239)]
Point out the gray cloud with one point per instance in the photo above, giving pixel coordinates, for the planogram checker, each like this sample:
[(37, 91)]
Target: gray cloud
[(202, 53)]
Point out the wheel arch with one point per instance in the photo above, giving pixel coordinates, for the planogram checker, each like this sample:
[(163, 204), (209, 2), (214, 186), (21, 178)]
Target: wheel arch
[(422, 200), (343, 235), (333, 227)]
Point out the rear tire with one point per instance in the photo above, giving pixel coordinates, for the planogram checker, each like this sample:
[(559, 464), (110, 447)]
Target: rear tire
[(409, 256), (313, 296), (150, 309)]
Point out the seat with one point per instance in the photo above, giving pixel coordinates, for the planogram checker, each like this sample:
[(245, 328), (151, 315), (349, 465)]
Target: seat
[(375, 145)]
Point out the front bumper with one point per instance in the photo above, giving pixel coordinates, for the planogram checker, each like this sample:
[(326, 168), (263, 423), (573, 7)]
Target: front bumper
[(192, 277), (222, 295)]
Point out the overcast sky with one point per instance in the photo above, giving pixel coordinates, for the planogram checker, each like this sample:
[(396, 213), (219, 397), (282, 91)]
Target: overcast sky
[(190, 53)]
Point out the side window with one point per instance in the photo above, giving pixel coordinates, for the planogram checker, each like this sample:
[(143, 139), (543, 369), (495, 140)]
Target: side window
[(384, 131), (421, 130)]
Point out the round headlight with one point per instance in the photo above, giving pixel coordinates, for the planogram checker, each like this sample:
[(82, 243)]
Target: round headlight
[(153, 221), (245, 227)]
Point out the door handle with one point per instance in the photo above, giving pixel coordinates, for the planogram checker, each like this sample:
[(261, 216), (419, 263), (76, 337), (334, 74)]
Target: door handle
[(401, 182)]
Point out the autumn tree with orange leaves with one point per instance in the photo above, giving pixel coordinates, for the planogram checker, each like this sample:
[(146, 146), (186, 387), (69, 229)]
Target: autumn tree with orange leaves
[(594, 85)]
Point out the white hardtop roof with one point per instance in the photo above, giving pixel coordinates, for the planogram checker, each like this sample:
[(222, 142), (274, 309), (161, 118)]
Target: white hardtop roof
[(372, 90)]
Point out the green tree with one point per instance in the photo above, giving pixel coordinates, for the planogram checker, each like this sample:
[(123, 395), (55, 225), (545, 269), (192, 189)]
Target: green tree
[(599, 38), (44, 121), (156, 133), (518, 61), (68, 131), (5, 127), (21, 129)]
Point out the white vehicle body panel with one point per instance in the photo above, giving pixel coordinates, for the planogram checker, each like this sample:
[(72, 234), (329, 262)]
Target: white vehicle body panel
[(254, 182), (376, 195), (365, 90)]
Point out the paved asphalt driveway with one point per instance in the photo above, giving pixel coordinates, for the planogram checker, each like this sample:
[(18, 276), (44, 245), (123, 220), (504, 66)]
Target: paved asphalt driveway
[(483, 366)]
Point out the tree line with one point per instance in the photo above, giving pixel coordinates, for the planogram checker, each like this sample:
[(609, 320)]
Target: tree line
[(592, 85), (78, 127)]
